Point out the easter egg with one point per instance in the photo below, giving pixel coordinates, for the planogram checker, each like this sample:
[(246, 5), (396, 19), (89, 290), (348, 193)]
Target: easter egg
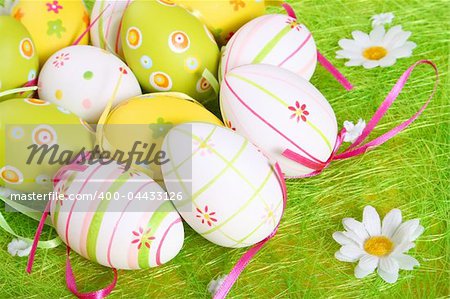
[(169, 49), (37, 138), (231, 195), (82, 79), (278, 110), (53, 24), (116, 217), (224, 18), (18, 59), (147, 119), (272, 39), (105, 33)]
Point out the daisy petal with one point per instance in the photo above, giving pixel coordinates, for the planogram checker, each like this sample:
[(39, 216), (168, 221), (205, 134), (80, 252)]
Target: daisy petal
[(391, 35), (349, 44), (352, 236), (389, 265), (403, 247), (405, 231), (419, 230), (348, 54), (403, 51), (368, 262), (406, 262), (377, 35), (371, 221), (361, 273), (343, 258), (356, 227), (388, 61), (370, 64), (342, 239), (354, 62), (388, 277), (401, 39), (351, 251), (391, 222), (361, 37)]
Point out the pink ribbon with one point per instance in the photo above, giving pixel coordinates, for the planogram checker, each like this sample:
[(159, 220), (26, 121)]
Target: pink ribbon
[(322, 60), (92, 23), (247, 257), (355, 149), (72, 285)]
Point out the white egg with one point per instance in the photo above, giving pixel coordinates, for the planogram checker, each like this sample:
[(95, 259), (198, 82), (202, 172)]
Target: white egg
[(108, 216), (278, 110), (105, 33), (272, 39), (82, 79), (231, 195)]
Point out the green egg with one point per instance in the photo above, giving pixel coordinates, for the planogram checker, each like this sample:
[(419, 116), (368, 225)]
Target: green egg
[(19, 61), (37, 139), (168, 49)]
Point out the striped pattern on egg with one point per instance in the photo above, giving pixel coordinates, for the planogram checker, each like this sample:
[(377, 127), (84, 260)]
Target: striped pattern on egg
[(126, 232), (272, 39), (278, 110), (231, 194)]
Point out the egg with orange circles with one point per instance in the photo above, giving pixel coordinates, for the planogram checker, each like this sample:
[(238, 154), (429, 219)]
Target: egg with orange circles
[(53, 24), (172, 55), (39, 137), (18, 59)]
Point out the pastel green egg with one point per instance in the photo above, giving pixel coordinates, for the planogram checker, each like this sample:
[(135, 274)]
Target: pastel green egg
[(169, 49), (37, 138), (18, 59)]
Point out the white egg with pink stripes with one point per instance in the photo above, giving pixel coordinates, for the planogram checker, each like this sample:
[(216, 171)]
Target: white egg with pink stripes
[(278, 110), (274, 39), (116, 217)]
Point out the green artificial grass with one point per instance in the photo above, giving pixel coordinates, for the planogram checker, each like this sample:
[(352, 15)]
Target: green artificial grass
[(410, 172)]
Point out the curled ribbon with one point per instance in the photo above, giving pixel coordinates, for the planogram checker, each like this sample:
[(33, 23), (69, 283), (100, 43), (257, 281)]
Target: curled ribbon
[(355, 149), (322, 60)]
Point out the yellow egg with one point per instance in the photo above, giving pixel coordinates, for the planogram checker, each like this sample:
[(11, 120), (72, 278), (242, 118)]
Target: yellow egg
[(224, 18), (53, 24), (143, 122)]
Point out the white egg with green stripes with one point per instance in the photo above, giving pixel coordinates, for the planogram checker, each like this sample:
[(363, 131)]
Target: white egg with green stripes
[(116, 217), (279, 110), (231, 194), (274, 39)]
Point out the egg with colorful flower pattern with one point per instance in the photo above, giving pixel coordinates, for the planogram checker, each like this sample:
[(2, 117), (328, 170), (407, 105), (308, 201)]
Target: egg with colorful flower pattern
[(272, 39), (53, 24), (278, 110), (169, 49), (128, 223), (83, 79), (231, 194), (19, 61), (39, 137)]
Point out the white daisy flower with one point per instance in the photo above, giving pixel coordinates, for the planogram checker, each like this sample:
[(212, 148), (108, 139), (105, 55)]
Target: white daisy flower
[(5, 192), (353, 131), (215, 284), (19, 247), (382, 19), (379, 48), (378, 245)]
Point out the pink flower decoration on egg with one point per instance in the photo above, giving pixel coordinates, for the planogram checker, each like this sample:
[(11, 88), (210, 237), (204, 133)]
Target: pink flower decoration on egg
[(300, 112), (61, 59), (142, 238), (55, 7), (294, 24), (206, 216)]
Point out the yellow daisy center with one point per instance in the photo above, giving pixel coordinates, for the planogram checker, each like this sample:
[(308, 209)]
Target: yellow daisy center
[(375, 53), (378, 246), (206, 216)]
